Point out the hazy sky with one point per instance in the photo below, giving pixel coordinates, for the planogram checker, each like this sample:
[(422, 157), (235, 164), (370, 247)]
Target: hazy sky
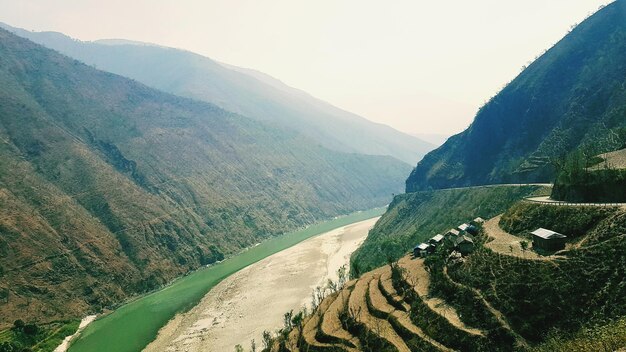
[(419, 66)]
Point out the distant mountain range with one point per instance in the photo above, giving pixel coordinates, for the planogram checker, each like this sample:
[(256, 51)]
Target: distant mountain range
[(573, 96), (243, 91), (109, 188)]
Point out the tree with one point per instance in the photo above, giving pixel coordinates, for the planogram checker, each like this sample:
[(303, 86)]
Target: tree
[(30, 329), (342, 275), (524, 245), (18, 324), (238, 348), (267, 340), (253, 346), (297, 320), (287, 320), (331, 285)]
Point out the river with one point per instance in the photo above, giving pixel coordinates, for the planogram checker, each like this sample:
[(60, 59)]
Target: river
[(254, 299), (132, 326)]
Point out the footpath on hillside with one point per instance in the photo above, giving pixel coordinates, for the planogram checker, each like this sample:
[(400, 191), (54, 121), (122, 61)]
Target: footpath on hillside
[(504, 243)]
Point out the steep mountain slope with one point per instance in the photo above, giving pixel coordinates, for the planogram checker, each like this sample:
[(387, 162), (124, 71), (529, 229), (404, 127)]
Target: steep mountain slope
[(109, 188), (248, 92), (574, 95)]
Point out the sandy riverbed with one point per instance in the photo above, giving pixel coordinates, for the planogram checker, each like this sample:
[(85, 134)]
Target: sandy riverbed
[(254, 299), (83, 324)]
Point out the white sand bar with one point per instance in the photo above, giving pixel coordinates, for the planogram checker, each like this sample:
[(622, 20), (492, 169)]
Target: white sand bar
[(66, 342), (254, 299)]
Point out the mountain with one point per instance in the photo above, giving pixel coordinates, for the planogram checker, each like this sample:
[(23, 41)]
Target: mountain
[(573, 96), (432, 138), (244, 91), (109, 188)]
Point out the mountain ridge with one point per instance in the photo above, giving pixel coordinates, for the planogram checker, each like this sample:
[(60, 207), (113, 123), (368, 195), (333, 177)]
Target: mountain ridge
[(571, 97), (115, 188), (245, 91)]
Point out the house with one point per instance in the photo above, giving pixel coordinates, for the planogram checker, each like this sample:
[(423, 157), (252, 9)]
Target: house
[(421, 250), (463, 227), (451, 236), (436, 240), (548, 240), (464, 244), (469, 228), (477, 222)]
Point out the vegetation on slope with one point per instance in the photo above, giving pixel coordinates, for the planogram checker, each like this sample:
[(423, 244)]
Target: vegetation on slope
[(243, 91), (571, 302), (538, 297), (606, 337), (582, 177), (23, 337), (572, 221), (571, 96), (112, 188), (414, 217)]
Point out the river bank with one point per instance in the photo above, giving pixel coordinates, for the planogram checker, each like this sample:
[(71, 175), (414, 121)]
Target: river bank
[(134, 325), (254, 299)]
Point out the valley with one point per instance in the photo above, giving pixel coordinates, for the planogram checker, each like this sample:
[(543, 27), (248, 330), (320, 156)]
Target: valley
[(134, 325), (155, 199)]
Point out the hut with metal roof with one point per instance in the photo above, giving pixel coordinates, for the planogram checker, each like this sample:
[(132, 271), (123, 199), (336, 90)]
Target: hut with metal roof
[(469, 228), (464, 244), (451, 236), (477, 221), (436, 240), (421, 250), (548, 240)]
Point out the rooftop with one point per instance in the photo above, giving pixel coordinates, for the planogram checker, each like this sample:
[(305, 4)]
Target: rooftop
[(463, 227), (464, 238), (421, 246), (437, 238), (453, 232), (547, 234)]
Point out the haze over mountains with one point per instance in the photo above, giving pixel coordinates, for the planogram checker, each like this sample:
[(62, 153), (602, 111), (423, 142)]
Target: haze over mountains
[(244, 91), (573, 96), (110, 188)]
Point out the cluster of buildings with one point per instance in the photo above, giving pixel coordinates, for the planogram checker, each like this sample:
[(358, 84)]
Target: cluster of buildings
[(460, 239)]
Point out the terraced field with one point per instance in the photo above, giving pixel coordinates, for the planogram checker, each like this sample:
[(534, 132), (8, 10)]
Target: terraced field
[(370, 314)]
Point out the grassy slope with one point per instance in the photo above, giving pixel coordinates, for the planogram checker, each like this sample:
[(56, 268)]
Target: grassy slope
[(607, 337), (414, 217), (571, 96), (134, 325), (112, 188)]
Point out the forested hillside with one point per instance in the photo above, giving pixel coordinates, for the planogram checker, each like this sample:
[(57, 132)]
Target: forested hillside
[(109, 188), (244, 91), (573, 96)]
